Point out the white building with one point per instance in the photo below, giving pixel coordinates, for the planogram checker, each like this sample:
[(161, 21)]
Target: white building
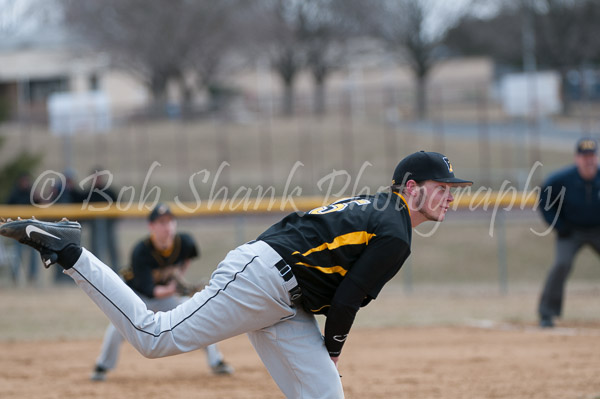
[(34, 67)]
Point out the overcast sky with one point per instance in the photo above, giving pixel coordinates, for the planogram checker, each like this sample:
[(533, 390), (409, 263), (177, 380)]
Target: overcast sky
[(20, 17)]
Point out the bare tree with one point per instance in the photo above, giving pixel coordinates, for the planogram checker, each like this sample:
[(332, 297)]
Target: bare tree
[(299, 34), (412, 29), (157, 40), (566, 36), (415, 30), (279, 26), (498, 36), (145, 42), (324, 37), (216, 34), (21, 19), (17, 17), (561, 35)]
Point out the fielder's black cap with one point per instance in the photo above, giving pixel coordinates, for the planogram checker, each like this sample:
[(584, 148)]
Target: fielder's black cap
[(422, 166), (158, 211), (586, 145)]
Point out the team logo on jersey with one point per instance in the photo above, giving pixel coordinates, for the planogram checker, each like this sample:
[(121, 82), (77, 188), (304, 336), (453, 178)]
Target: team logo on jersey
[(448, 164)]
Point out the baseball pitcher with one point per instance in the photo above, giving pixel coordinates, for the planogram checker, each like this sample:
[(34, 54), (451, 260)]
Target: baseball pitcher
[(331, 260)]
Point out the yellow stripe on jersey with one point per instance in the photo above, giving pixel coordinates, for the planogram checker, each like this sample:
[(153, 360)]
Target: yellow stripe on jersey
[(357, 237), (327, 270), (403, 200), (321, 308)]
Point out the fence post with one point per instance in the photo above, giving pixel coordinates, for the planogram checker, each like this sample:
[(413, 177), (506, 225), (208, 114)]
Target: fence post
[(484, 138), (407, 279), (223, 151), (502, 262), (240, 230), (346, 133), (440, 143)]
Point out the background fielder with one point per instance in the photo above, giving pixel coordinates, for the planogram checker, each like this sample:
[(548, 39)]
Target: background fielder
[(158, 263)]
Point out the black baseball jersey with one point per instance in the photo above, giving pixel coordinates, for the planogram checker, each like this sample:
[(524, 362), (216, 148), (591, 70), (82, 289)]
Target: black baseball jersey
[(151, 267), (366, 239), (343, 254)]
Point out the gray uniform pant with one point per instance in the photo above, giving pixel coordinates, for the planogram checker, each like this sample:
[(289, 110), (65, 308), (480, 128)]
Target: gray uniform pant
[(246, 294), (551, 301), (111, 345)]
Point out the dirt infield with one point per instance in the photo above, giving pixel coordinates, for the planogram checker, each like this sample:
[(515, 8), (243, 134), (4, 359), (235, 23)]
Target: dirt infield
[(465, 343), (410, 362)]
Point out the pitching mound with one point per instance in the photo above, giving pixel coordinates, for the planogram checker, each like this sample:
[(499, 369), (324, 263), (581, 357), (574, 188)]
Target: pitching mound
[(487, 361)]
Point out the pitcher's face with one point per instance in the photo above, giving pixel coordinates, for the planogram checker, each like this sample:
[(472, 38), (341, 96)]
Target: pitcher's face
[(434, 200)]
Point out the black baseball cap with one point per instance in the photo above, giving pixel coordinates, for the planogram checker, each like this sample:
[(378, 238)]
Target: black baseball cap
[(586, 145), (158, 211), (422, 166)]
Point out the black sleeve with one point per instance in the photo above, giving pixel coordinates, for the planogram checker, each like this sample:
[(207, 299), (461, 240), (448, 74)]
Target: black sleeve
[(376, 266), (378, 263), (142, 272), (346, 302)]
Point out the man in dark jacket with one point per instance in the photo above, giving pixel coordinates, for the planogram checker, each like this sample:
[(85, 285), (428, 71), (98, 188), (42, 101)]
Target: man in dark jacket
[(576, 219)]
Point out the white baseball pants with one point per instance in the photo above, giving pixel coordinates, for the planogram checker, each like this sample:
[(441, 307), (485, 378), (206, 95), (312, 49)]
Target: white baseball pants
[(111, 345), (246, 294)]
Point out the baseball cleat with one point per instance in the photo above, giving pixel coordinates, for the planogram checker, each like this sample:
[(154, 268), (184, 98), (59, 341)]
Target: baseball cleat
[(48, 238), (546, 322), (99, 374), (222, 368)]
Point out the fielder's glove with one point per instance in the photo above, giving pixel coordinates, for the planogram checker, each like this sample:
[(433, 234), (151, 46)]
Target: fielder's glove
[(184, 288)]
